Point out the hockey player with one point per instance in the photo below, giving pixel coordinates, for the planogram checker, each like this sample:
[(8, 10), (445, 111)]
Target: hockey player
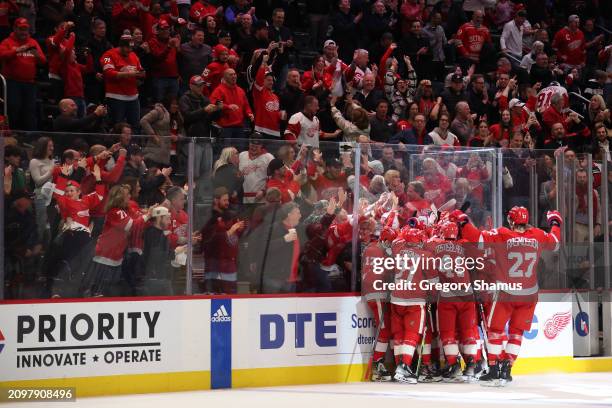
[(378, 300), (408, 304), (517, 251), (456, 311)]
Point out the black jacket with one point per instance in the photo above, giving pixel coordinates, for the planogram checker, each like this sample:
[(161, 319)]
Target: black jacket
[(197, 121)]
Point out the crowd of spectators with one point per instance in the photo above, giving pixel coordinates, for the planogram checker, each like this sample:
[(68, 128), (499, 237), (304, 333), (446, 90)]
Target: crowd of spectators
[(281, 92)]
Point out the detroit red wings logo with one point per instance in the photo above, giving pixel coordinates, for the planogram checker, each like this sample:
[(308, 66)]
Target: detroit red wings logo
[(556, 324)]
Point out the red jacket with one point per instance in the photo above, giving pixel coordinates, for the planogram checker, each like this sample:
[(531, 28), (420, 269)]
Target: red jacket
[(571, 47), (113, 62), (267, 107), (284, 186), (163, 59), (473, 39), (231, 95), (20, 66)]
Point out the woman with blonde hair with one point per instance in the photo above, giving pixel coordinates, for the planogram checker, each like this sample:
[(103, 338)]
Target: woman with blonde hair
[(598, 111), (226, 173)]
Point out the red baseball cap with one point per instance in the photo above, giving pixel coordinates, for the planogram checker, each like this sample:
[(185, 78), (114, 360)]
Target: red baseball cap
[(196, 80), (21, 23), (218, 49)]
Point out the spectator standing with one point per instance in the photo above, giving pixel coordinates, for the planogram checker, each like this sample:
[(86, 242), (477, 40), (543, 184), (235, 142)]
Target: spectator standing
[(157, 255), (196, 109), (220, 237), (318, 16), (253, 164), (266, 103), (122, 70), (194, 56), (473, 36), (511, 40), (570, 44), (98, 45), (345, 29), (156, 123), (20, 55), (281, 248), (164, 66), (292, 96), (235, 107)]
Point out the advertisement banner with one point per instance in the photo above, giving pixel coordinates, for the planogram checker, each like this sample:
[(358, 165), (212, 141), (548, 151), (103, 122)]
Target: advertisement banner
[(87, 339)]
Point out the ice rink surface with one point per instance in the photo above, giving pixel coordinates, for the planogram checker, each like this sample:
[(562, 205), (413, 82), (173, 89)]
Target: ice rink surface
[(554, 390)]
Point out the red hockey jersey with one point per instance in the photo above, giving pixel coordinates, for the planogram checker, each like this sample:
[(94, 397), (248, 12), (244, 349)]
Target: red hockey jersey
[(373, 273), (266, 105), (113, 240), (415, 275), (473, 39), (125, 89), (516, 253), (571, 47), (75, 213)]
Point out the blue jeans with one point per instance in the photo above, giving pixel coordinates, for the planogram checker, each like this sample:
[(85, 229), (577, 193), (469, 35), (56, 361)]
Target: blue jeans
[(124, 111), (21, 104), (163, 87)]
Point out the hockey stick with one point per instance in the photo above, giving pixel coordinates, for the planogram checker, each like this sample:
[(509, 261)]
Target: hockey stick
[(586, 322), (435, 212), (481, 313), (422, 347), (381, 317)]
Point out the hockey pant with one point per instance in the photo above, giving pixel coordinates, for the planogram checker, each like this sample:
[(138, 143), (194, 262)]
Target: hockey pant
[(407, 323), (457, 321), (381, 308), (518, 315)]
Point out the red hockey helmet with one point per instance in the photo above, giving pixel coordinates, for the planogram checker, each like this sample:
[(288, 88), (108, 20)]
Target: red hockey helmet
[(448, 230), (388, 234), (518, 216), (412, 235)]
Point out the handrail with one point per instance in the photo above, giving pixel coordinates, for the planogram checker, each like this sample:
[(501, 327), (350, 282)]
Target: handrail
[(604, 29), (5, 98), (580, 97)]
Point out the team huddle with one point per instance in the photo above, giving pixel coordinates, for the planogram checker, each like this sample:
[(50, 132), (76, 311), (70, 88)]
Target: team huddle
[(427, 326)]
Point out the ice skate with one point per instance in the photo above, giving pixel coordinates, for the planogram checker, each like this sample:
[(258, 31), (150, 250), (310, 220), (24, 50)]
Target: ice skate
[(452, 374), (404, 374), (380, 372), (492, 378)]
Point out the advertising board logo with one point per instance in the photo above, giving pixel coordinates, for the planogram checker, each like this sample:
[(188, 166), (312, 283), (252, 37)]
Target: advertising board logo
[(556, 324), (533, 332), (582, 324), (221, 315), (1, 341)]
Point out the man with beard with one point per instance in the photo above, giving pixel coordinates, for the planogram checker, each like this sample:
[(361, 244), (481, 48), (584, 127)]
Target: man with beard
[(220, 237)]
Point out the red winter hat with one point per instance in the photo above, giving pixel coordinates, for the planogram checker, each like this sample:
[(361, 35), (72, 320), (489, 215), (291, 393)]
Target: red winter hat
[(73, 183)]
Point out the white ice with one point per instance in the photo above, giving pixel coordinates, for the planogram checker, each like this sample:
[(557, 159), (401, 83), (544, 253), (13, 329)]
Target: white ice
[(553, 390)]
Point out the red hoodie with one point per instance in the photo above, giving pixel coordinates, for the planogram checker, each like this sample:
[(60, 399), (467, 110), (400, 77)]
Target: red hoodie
[(20, 66), (56, 48), (231, 95), (72, 72), (163, 64)]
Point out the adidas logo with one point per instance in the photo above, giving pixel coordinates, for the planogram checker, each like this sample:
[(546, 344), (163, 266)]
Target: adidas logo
[(221, 315)]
